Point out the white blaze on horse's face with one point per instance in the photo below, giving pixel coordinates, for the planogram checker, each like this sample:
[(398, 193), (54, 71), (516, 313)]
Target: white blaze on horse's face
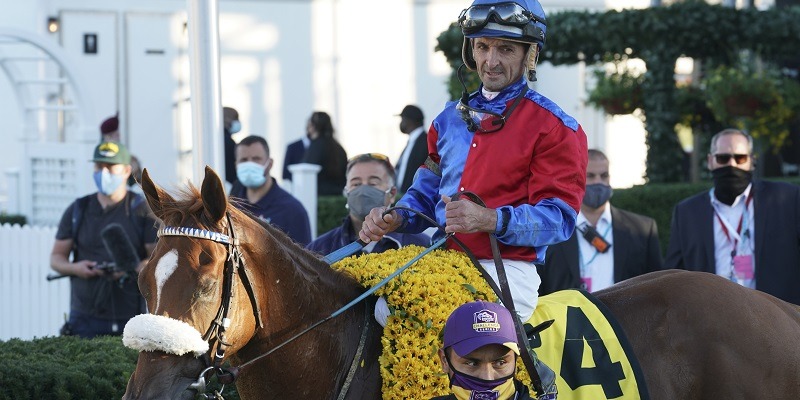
[(164, 269)]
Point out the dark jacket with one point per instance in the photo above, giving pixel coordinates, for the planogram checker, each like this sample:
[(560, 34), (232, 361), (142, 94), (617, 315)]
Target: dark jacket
[(636, 252), (343, 235), (776, 207), (330, 155), (419, 152), (294, 155)]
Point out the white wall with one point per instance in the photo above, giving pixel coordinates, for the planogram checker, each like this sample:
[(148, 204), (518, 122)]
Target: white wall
[(281, 60)]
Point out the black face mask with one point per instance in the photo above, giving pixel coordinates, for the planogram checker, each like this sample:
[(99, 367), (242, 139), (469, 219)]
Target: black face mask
[(730, 182)]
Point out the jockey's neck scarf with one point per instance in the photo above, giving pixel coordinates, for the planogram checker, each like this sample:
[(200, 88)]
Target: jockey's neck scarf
[(467, 387)]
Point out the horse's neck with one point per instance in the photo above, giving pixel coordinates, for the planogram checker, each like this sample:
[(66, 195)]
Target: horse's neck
[(301, 293)]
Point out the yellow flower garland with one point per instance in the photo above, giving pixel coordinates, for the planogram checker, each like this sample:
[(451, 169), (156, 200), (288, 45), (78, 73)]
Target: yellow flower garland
[(420, 300)]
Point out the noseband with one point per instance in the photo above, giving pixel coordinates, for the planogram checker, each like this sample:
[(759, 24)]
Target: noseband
[(234, 263)]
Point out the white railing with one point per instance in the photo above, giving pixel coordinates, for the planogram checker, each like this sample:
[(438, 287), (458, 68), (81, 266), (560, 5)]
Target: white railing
[(30, 306)]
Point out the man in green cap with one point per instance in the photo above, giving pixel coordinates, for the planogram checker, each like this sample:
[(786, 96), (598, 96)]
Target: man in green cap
[(102, 299)]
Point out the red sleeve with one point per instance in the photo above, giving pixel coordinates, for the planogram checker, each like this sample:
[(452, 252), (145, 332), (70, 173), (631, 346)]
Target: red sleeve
[(558, 166)]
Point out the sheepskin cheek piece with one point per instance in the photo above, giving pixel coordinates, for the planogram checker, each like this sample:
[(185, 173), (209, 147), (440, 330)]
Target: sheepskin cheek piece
[(148, 332)]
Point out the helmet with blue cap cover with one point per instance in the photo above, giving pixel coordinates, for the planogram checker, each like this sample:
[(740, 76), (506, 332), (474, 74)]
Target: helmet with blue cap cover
[(519, 21)]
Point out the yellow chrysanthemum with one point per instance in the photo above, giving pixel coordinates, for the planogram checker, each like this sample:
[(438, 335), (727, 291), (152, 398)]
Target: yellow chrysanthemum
[(420, 300)]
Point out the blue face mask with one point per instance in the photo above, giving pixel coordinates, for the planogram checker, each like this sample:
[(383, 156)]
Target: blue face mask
[(107, 182), (251, 174), (236, 126)]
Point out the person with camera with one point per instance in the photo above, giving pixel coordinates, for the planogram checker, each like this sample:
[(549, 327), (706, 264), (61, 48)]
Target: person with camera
[(103, 299)]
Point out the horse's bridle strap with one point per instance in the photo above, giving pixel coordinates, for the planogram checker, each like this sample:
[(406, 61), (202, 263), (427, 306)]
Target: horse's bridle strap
[(198, 233)]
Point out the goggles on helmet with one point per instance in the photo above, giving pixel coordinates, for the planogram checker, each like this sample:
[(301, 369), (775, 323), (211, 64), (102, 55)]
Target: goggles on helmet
[(473, 19)]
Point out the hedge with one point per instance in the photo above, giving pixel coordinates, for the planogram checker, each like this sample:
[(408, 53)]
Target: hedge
[(655, 200), (12, 219), (65, 368)]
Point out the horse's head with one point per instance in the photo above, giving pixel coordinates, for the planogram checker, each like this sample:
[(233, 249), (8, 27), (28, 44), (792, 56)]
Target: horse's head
[(201, 302)]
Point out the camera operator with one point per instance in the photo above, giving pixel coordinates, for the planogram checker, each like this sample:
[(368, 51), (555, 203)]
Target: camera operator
[(102, 298)]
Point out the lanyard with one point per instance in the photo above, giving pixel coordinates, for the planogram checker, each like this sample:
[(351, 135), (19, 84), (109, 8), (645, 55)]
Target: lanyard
[(596, 252), (743, 219)]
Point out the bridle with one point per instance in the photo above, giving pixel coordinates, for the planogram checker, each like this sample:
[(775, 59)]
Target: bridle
[(215, 334)]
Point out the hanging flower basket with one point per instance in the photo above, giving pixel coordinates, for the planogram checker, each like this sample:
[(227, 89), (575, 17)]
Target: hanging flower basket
[(618, 93), (762, 102)]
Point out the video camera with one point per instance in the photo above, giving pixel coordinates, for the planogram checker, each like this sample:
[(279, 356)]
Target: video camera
[(107, 268)]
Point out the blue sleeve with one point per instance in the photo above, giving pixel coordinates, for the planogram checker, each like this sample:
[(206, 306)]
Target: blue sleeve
[(421, 196), (548, 222)]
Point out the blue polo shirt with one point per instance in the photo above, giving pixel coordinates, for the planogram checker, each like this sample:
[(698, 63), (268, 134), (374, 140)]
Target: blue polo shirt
[(280, 209)]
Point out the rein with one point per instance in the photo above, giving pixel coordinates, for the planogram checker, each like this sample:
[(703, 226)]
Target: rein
[(216, 331)]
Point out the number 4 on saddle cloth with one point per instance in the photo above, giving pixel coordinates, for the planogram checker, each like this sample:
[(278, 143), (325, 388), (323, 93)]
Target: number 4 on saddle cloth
[(586, 348)]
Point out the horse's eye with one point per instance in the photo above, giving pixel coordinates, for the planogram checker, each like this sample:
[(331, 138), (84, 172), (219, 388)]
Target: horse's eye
[(204, 259)]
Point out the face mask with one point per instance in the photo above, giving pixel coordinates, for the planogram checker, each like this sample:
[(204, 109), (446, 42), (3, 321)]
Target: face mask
[(236, 126), (597, 194), (362, 199), (730, 182), (467, 387), (107, 182), (251, 174)]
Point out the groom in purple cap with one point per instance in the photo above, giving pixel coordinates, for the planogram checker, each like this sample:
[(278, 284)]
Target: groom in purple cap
[(480, 353)]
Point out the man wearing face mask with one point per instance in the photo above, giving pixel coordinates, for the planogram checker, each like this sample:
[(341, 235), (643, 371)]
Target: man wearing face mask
[(102, 302), (231, 125), (743, 230), (609, 244), (261, 195), (479, 354), (370, 184)]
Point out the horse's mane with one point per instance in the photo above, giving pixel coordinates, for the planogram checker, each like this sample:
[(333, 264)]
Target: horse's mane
[(187, 207)]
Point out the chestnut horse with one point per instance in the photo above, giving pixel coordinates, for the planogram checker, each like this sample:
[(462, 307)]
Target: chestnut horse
[(696, 336)]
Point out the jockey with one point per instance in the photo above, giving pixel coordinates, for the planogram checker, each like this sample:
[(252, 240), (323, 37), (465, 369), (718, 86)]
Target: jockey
[(480, 353), (514, 148)]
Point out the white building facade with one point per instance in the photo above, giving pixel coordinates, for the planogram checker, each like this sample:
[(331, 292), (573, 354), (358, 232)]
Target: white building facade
[(360, 61)]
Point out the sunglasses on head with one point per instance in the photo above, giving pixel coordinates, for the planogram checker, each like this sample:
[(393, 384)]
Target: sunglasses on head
[(724, 158), (369, 157)]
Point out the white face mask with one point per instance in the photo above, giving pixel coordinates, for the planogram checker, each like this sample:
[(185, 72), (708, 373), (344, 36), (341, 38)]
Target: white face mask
[(251, 174), (108, 183)]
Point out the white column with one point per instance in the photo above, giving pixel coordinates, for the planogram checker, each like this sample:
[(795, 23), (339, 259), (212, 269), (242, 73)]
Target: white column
[(304, 188), (205, 87), (14, 192)]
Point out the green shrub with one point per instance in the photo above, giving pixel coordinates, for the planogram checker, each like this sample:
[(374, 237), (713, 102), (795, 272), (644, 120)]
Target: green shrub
[(658, 200), (12, 219), (330, 212), (67, 367), (655, 200)]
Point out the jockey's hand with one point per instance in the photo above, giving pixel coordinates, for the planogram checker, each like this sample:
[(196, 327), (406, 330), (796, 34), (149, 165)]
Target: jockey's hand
[(376, 224), (464, 216), (84, 269)]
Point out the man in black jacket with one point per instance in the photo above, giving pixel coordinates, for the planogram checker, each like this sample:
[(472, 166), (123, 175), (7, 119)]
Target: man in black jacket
[(416, 151), (743, 230), (609, 244)]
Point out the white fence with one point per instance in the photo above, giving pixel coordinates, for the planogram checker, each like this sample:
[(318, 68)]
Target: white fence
[(30, 306)]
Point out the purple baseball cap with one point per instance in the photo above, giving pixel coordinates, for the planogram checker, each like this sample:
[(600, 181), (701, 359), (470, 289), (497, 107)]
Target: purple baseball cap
[(474, 325)]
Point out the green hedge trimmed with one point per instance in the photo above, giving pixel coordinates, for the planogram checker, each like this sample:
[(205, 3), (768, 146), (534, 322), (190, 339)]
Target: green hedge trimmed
[(655, 200), (12, 219), (66, 368)]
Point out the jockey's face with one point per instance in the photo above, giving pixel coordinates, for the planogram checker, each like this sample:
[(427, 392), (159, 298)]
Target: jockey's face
[(500, 62), (489, 362)]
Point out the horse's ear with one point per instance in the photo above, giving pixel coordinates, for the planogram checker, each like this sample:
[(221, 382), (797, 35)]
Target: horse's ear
[(213, 193), (154, 194)]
